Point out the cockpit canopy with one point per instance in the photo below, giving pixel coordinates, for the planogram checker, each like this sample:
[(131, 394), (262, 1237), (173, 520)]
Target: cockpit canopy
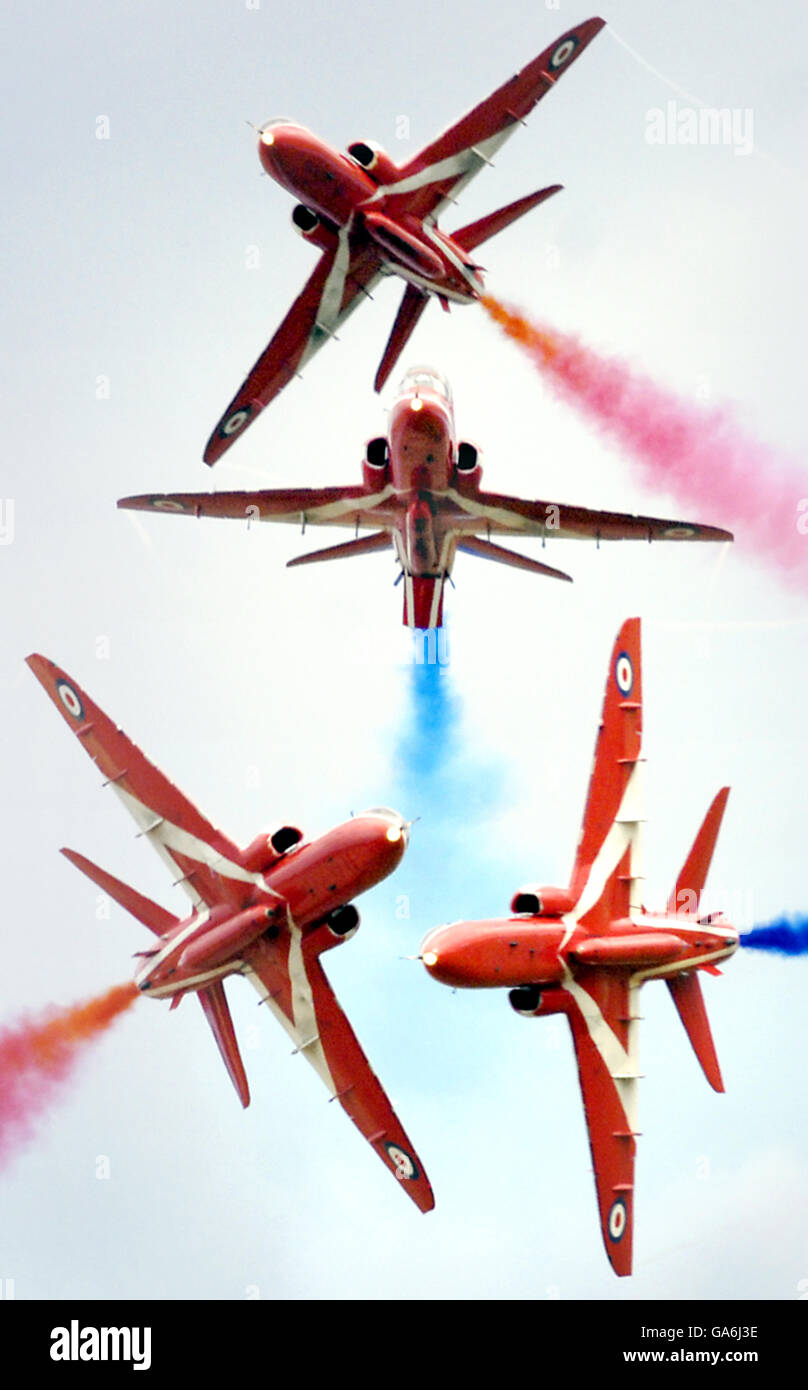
[(427, 377)]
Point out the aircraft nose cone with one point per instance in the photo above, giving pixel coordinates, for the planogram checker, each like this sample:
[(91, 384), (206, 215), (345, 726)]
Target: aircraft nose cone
[(270, 149), (388, 834), (436, 950), (277, 141)]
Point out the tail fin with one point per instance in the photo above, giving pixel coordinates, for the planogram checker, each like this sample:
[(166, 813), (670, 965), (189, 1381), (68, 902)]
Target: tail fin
[(687, 996), (364, 545), (692, 876), (411, 308), (423, 600), (474, 545), (478, 232), (149, 913), (608, 846), (217, 1012)]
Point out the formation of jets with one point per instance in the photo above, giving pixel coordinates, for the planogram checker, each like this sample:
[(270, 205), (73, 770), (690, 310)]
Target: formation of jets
[(269, 911)]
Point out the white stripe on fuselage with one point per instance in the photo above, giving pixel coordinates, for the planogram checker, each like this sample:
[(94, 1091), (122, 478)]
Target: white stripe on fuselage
[(154, 961), (469, 275)]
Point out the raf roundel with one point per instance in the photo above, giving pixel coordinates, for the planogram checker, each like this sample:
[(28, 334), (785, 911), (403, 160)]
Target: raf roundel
[(563, 54), (624, 673), (617, 1219), (70, 699), (405, 1166), (679, 533), (235, 422)]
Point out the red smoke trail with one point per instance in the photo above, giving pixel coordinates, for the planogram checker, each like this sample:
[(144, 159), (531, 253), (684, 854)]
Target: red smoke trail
[(35, 1058), (698, 455)]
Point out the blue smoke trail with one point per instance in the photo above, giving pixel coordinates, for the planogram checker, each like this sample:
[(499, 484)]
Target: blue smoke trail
[(786, 935), (454, 790)]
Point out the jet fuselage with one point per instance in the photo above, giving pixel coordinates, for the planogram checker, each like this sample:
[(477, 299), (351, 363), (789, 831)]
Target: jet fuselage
[(312, 881), (345, 197)]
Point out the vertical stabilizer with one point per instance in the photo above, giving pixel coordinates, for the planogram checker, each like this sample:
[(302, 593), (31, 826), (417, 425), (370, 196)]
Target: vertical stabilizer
[(423, 600)]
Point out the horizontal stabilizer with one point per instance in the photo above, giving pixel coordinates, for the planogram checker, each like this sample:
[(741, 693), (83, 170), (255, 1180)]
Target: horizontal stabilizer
[(478, 232), (473, 545), (217, 1012), (692, 877), (149, 913), (365, 545), (410, 310), (689, 1000)]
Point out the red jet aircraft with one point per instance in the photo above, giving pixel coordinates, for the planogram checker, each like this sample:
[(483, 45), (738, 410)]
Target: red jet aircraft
[(585, 951), (267, 912), (370, 217), (421, 494)]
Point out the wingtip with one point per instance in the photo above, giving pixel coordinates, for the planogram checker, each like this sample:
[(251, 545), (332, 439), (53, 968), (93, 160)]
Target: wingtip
[(212, 449), (39, 664)]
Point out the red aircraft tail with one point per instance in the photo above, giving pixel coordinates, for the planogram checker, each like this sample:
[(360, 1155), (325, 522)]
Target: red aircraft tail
[(158, 920), (685, 990), (687, 893), (415, 300), (423, 600)]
